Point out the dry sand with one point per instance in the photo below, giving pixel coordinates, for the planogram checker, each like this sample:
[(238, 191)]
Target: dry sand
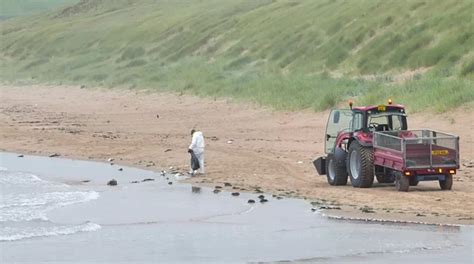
[(248, 146)]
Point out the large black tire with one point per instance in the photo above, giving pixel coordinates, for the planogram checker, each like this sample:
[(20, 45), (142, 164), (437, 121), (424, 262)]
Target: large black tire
[(402, 182), (447, 184), (360, 162), (336, 172), (413, 181), (385, 178)]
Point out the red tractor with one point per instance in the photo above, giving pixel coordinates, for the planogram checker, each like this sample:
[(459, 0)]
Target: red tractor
[(373, 141)]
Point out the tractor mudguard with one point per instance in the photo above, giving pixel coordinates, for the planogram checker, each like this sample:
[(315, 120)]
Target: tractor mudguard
[(320, 165)]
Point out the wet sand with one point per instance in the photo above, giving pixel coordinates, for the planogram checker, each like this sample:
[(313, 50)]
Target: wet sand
[(252, 148), (152, 221)]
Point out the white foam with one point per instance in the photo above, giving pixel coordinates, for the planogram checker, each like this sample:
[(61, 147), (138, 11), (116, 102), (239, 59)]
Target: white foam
[(47, 231)]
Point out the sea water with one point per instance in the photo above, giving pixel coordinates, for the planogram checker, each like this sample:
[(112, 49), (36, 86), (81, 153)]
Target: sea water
[(25, 200)]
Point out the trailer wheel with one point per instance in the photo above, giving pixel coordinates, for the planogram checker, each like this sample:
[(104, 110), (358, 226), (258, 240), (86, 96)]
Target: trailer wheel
[(413, 181), (336, 171), (447, 183), (361, 165), (384, 178), (402, 183)]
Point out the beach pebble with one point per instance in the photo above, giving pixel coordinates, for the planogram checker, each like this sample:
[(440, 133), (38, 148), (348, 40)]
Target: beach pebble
[(227, 184), (195, 189), (218, 187), (134, 182), (112, 182), (120, 169), (85, 181), (54, 155), (148, 179), (261, 196), (263, 200), (170, 183), (111, 164), (251, 201), (313, 209), (279, 197), (168, 150), (20, 156), (217, 191), (235, 194)]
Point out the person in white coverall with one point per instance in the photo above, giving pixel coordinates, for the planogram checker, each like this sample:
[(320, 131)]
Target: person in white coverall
[(197, 146)]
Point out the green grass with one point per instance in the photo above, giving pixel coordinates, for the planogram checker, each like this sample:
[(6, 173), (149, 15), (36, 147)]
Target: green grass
[(13, 8), (276, 53)]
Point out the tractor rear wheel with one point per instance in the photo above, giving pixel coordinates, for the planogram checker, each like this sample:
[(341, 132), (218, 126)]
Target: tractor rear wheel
[(402, 183), (361, 165), (336, 171), (447, 184)]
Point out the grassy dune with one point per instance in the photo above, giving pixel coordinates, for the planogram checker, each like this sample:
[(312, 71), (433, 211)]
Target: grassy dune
[(13, 8), (285, 54)]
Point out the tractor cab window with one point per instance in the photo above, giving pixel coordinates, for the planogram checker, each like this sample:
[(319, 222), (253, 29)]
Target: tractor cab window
[(385, 122), (357, 121)]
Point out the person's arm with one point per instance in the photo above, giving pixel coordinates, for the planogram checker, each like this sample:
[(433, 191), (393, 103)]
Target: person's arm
[(193, 142)]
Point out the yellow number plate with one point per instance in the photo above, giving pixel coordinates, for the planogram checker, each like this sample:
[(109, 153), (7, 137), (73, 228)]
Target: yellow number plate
[(442, 152), (381, 108)]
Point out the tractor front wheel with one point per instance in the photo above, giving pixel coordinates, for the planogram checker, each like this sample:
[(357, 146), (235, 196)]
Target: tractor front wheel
[(336, 171), (402, 182), (447, 184), (361, 165)]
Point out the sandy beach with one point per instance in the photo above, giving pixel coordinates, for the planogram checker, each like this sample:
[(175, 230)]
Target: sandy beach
[(248, 146)]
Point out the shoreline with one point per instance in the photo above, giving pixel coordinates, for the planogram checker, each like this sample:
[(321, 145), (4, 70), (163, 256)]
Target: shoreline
[(345, 212), (271, 151)]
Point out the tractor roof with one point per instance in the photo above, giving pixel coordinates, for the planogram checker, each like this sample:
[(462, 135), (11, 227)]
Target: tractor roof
[(389, 107)]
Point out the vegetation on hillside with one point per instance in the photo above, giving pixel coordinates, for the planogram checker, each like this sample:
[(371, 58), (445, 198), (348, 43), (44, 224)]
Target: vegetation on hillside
[(288, 54), (13, 8)]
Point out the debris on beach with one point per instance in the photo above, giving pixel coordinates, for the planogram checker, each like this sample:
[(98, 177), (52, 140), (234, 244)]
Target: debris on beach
[(20, 156), (134, 182), (235, 194), (367, 209), (195, 189), (170, 183), (217, 191), (150, 164), (261, 196), (162, 173), (227, 184), (111, 164), (313, 209), (120, 169), (85, 181), (168, 150), (263, 200), (148, 179), (54, 155), (230, 141), (112, 182), (110, 160), (218, 187), (251, 201)]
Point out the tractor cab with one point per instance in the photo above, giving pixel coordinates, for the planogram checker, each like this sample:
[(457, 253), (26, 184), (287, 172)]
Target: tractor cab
[(359, 123)]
